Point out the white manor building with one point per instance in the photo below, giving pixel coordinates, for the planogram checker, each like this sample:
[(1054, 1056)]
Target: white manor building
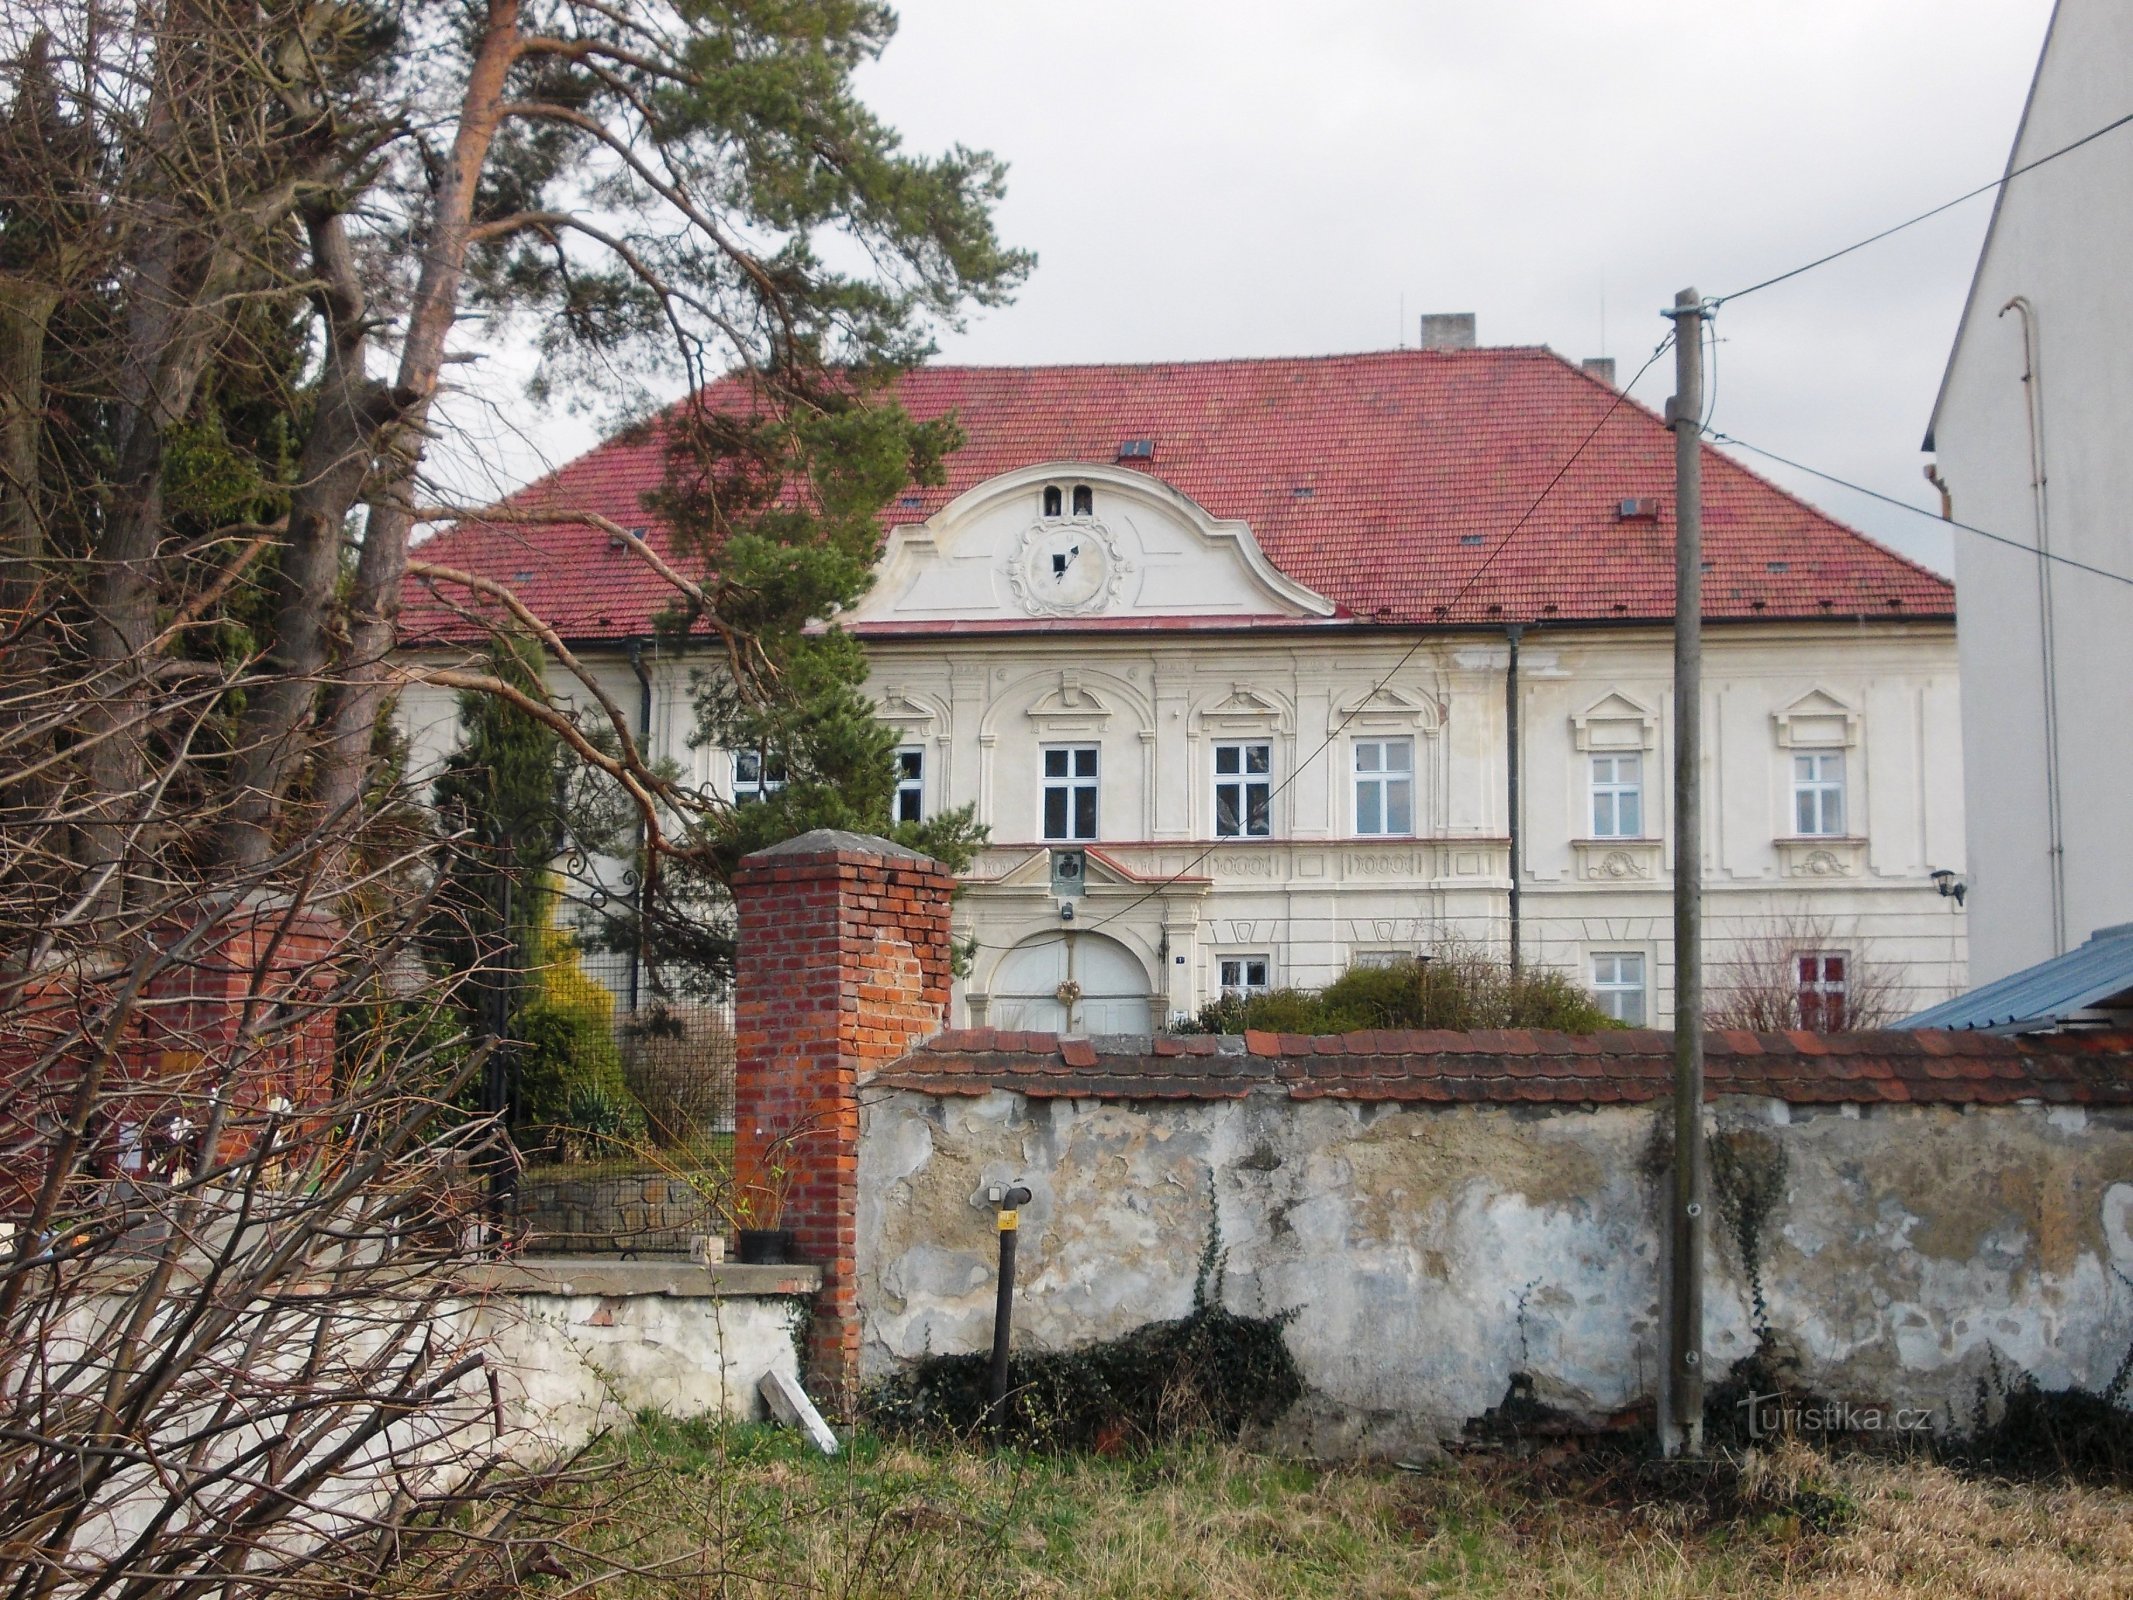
[(1244, 633)]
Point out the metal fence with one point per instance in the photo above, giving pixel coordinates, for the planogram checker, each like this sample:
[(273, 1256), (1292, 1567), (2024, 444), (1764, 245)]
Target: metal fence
[(649, 1177)]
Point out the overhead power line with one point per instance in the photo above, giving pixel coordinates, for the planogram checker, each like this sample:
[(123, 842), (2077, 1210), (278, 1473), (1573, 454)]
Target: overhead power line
[(1406, 655), (1889, 499), (1924, 216)]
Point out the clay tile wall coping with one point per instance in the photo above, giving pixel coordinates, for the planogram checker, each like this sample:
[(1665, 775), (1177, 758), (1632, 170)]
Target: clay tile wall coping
[(1502, 1067)]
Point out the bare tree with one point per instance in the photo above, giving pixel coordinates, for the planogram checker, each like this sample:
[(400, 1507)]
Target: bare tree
[(235, 243), (1794, 971)]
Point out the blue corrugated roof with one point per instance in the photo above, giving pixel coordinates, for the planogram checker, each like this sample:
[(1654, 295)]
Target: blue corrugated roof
[(2046, 994)]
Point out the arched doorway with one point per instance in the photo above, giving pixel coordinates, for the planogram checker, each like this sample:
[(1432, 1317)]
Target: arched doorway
[(1034, 988)]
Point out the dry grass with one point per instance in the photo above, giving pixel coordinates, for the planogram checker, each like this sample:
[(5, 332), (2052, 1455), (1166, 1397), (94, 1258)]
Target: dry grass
[(743, 1512)]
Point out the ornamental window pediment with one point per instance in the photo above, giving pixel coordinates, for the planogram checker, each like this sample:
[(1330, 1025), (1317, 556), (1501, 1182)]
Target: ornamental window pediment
[(912, 719), (1072, 707), (1389, 708), (1616, 722), (1817, 720), (1244, 710)]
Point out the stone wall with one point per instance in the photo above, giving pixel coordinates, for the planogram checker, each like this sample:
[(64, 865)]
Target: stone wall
[(1436, 1213), (645, 1214)]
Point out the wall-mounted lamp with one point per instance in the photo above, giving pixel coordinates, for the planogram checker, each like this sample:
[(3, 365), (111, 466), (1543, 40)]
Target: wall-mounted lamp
[(1950, 886), (1066, 909)]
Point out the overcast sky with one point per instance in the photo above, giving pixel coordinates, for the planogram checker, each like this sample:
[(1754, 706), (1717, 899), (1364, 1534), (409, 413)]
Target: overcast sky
[(1208, 178)]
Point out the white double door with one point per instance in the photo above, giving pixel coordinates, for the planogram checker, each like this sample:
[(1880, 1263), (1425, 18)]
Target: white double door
[(1070, 982)]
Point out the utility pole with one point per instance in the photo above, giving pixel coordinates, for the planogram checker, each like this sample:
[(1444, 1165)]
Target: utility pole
[(1510, 717), (1682, 1432)]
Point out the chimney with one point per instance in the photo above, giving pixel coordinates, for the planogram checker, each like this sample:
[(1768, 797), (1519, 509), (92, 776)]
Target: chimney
[(1447, 330), (1601, 367)]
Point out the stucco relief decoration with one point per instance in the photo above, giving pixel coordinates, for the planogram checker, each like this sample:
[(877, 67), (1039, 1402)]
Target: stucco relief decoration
[(1817, 720), (1064, 569), (1836, 858), (1072, 708), (911, 718), (1374, 864), (1391, 708), (1244, 710), (1615, 722), (1628, 861)]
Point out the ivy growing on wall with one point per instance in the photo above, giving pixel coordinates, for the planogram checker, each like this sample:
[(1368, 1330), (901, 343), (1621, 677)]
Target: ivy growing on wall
[(1748, 1183), (1209, 1372)]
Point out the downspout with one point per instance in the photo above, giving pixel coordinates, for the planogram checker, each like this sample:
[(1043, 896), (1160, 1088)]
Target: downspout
[(644, 745), (1510, 704), (2040, 502)]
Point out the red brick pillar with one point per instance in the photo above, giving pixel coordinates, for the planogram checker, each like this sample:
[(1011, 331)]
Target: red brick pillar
[(843, 964)]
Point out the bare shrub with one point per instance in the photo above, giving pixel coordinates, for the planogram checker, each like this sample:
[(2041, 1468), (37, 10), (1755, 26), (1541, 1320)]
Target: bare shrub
[(238, 1180), (1758, 983), (678, 1062)]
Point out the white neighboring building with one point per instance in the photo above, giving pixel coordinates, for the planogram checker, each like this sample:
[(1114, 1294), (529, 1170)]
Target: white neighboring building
[(2031, 439), (1242, 631)]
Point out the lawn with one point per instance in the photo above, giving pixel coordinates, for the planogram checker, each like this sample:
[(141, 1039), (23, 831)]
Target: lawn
[(703, 1510)]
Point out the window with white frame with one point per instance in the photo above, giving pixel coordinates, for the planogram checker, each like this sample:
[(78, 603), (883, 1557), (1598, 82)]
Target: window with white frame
[(1818, 793), (1244, 790), (1618, 797), (1825, 990), (756, 774), (1070, 791), (910, 784), (1245, 974), (1618, 984), (1384, 787)]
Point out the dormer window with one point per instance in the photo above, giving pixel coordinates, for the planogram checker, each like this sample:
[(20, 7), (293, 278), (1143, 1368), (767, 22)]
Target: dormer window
[(1051, 500), (1084, 500)]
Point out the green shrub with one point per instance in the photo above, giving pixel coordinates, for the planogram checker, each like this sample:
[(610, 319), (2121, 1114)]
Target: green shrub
[(572, 1095), (1460, 990)]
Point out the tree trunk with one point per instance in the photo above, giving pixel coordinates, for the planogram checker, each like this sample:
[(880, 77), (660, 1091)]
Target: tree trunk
[(335, 463), (170, 332), (25, 313), (358, 690), (25, 805)]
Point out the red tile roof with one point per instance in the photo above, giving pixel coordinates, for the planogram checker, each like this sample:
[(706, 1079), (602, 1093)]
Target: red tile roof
[(1921, 1067), (1384, 481)]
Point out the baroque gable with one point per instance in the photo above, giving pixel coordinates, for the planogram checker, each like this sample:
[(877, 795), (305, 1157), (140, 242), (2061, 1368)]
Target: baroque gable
[(1077, 540)]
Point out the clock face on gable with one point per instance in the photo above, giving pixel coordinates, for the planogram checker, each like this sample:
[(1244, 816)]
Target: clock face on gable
[(1064, 568)]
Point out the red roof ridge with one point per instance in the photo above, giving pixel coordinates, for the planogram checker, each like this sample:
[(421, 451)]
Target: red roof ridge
[(1364, 475)]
